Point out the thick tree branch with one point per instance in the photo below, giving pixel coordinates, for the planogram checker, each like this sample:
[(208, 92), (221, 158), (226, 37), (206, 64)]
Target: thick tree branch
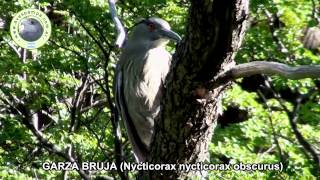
[(268, 68), (120, 29)]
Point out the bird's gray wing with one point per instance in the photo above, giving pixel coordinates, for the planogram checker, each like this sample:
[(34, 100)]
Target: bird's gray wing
[(138, 147)]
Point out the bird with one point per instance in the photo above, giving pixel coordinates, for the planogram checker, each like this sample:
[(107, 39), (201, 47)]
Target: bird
[(140, 73), (311, 39), (30, 29)]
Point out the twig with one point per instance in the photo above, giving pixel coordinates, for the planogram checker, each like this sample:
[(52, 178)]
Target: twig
[(75, 104), (114, 116), (314, 12), (105, 53), (271, 23), (103, 37), (47, 145), (275, 138), (98, 103), (293, 117), (115, 124), (66, 48)]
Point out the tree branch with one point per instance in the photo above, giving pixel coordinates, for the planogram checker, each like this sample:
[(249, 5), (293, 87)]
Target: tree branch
[(98, 103), (268, 68), (99, 44), (48, 145), (75, 109), (120, 29), (114, 116), (315, 12), (275, 138), (293, 118), (214, 33)]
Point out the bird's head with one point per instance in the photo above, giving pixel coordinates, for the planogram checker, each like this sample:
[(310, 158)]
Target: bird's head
[(154, 31)]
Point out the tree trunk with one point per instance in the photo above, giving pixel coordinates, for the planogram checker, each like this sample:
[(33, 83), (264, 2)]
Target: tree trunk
[(215, 30)]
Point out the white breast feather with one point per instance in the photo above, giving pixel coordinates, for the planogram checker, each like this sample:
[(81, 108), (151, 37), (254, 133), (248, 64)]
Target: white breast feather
[(156, 67)]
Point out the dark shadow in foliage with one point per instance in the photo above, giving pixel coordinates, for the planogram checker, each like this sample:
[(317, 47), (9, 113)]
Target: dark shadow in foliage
[(219, 158), (257, 82), (232, 115)]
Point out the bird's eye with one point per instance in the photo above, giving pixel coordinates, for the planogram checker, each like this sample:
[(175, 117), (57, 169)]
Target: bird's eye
[(151, 27)]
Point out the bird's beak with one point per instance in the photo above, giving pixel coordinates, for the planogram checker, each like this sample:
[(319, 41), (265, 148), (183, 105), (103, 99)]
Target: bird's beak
[(170, 35)]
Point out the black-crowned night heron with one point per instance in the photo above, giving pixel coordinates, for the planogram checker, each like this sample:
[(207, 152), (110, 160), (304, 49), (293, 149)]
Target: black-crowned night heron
[(30, 29), (141, 71)]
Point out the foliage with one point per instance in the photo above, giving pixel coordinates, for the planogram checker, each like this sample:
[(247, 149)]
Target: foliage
[(253, 141), (67, 86)]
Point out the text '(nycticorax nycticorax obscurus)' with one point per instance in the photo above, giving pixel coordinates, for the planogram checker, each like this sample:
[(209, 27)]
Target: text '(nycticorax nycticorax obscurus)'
[(140, 74)]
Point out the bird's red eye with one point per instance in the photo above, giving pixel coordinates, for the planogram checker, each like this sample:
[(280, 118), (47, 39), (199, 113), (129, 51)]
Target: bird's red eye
[(151, 27)]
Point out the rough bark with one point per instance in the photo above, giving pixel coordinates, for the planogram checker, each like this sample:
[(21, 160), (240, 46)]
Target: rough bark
[(214, 33)]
